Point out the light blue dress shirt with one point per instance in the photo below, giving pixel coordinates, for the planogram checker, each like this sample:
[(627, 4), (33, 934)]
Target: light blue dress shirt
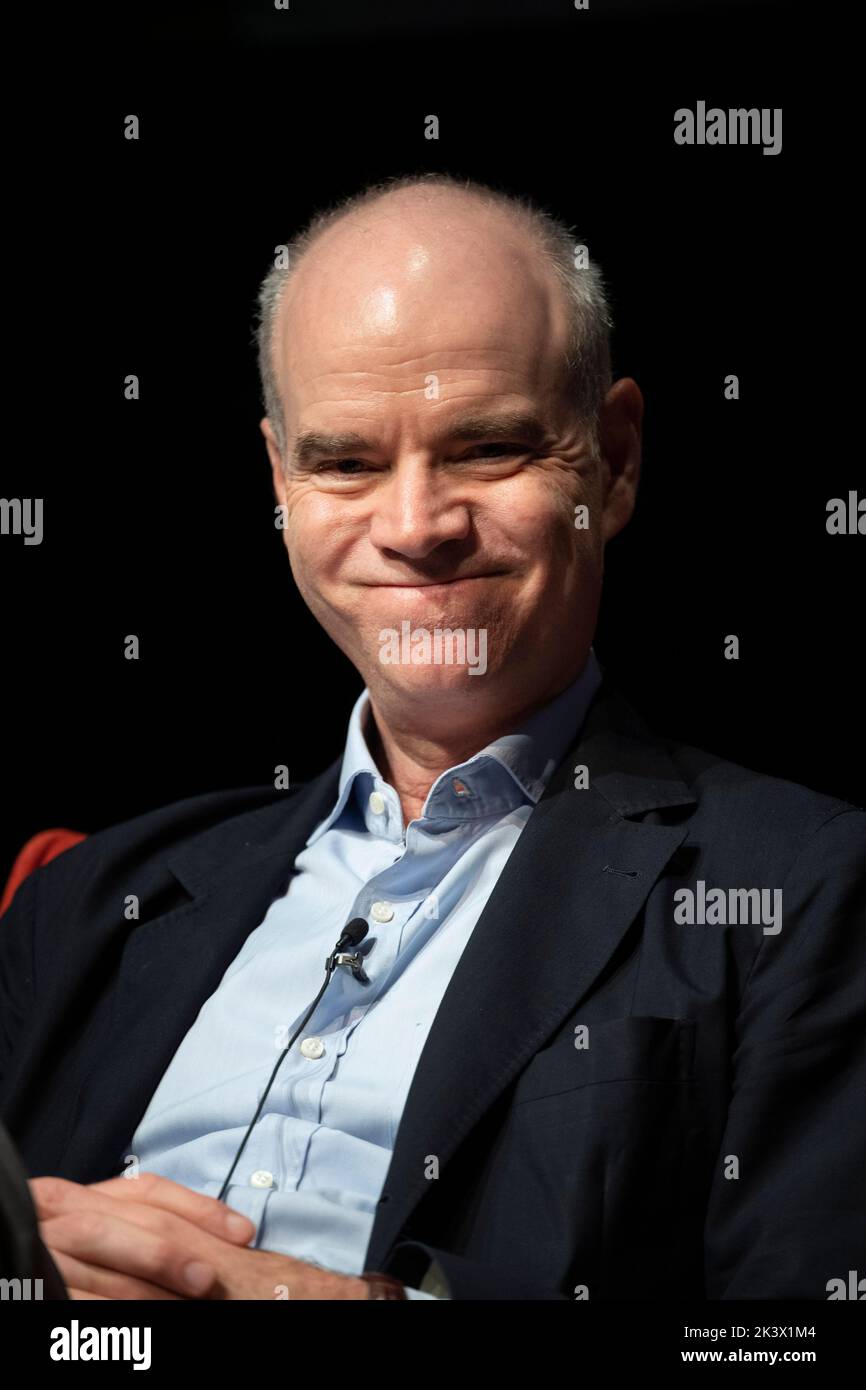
[(315, 1164)]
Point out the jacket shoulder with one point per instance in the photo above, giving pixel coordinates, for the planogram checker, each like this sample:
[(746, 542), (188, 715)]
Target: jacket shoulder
[(151, 833), (759, 818), (715, 777), (756, 812)]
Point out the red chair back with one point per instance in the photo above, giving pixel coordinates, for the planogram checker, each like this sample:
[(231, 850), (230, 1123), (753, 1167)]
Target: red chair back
[(40, 849)]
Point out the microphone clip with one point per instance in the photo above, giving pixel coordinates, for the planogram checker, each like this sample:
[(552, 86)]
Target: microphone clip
[(349, 960)]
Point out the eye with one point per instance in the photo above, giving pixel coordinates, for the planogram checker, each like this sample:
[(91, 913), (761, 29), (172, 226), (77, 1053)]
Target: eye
[(496, 450), (344, 468), (499, 458)]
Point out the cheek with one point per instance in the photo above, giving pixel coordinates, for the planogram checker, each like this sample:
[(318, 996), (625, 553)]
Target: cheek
[(312, 530), (537, 525), (563, 561), (538, 502)]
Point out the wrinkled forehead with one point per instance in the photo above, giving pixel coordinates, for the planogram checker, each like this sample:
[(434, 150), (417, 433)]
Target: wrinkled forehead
[(394, 303)]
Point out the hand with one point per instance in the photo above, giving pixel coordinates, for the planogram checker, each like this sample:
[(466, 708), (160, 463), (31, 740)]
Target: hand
[(138, 1238)]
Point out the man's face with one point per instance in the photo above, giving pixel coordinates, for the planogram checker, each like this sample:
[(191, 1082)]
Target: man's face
[(435, 464)]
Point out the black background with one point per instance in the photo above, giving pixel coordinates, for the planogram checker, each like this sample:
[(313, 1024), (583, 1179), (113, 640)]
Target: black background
[(145, 257)]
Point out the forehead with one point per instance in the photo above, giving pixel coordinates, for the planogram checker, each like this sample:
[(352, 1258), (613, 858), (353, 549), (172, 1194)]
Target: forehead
[(373, 311)]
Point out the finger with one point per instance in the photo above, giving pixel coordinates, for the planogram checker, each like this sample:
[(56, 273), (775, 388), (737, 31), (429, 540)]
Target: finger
[(205, 1212), (110, 1241), (94, 1282), (79, 1293), (65, 1199)]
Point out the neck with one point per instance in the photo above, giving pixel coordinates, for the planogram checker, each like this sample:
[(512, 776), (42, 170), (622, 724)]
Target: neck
[(411, 755), (411, 761)]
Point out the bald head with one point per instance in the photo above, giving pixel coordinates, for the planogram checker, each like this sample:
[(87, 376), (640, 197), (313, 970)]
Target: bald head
[(423, 279), (391, 263)]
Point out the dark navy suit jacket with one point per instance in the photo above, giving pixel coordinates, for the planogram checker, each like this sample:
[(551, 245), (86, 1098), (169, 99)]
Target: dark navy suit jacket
[(709, 1142)]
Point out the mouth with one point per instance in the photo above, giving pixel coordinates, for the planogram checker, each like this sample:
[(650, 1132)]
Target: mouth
[(439, 587)]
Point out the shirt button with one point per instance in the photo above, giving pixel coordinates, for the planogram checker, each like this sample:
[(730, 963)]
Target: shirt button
[(377, 803), (262, 1178), (381, 912), (312, 1047)]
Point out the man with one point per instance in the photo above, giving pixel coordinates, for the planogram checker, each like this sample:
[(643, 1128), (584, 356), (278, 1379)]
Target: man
[(603, 1038)]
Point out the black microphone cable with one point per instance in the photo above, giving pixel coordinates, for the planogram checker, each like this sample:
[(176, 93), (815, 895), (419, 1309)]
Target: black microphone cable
[(342, 954)]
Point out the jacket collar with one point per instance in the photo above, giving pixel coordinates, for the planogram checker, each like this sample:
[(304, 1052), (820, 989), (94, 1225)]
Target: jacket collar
[(576, 880), (629, 767)]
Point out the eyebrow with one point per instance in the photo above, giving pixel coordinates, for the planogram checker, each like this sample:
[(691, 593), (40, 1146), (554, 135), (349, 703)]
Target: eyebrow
[(478, 427)]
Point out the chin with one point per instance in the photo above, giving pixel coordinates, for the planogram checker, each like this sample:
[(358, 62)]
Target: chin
[(436, 684), (442, 656), (439, 680)]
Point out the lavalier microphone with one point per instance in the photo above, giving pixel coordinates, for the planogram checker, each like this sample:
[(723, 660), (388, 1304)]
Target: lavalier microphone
[(343, 955)]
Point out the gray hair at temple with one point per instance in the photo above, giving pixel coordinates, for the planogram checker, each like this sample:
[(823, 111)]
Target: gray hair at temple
[(588, 363)]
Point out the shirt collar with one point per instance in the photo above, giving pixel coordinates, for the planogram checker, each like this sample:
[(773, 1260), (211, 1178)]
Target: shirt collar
[(509, 770)]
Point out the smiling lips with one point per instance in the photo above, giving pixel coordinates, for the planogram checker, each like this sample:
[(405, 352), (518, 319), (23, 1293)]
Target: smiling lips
[(436, 584)]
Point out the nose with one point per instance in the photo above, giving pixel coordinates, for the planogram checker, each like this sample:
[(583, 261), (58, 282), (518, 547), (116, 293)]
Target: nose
[(417, 511)]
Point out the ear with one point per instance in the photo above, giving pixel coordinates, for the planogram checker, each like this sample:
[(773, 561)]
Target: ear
[(277, 472), (620, 435)]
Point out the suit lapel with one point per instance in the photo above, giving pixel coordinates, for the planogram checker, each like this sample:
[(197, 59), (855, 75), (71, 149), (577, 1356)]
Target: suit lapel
[(172, 964), (551, 925)]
